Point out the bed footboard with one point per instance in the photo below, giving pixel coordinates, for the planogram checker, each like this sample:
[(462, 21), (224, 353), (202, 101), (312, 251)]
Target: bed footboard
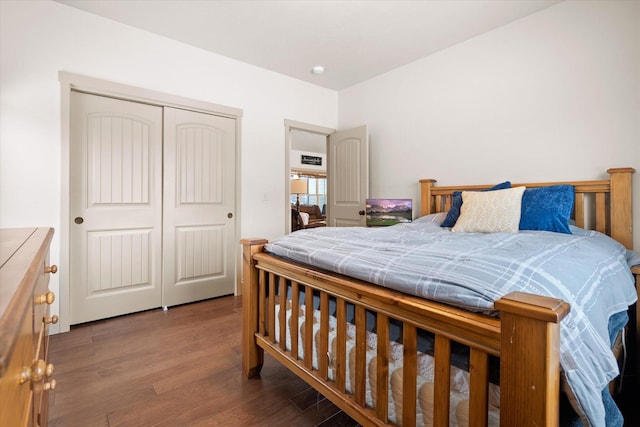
[(318, 325)]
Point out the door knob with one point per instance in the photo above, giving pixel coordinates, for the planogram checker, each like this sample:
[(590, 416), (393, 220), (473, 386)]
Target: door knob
[(360, 212), (78, 220)]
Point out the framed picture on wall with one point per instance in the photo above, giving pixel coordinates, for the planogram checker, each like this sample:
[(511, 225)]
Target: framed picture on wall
[(384, 212)]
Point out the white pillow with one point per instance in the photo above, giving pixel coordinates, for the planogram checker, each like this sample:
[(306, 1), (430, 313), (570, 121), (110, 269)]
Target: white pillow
[(304, 217), (436, 218), (490, 211)]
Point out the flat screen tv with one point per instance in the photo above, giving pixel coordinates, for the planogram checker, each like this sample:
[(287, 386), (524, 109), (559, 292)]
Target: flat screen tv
[(384, 212)]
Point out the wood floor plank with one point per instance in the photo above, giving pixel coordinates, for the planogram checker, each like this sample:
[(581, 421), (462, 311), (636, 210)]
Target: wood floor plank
[(179, 367)]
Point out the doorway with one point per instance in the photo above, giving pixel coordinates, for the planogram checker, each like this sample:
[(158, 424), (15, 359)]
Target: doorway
[(308, 172), (347, 173), (304, 139)]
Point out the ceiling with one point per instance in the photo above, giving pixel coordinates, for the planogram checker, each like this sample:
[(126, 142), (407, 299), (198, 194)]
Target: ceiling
[(353, 40)]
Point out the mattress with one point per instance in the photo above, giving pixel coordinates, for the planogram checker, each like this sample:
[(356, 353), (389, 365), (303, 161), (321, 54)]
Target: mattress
[(459, 379)]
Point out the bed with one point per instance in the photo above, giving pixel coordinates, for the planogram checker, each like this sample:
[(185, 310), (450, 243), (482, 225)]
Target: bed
[(385, 354)]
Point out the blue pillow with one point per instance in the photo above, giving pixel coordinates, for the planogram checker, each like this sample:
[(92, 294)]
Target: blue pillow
[(547, 208), (456, 203)]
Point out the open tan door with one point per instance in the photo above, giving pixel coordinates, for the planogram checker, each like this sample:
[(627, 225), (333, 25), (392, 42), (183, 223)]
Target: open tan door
[(348, 177)]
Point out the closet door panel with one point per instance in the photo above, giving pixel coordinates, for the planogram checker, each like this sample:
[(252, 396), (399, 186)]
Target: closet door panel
[(116, 206), (199, 203)]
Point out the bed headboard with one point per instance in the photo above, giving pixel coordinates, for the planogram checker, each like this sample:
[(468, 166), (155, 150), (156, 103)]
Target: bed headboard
[(602, 205)]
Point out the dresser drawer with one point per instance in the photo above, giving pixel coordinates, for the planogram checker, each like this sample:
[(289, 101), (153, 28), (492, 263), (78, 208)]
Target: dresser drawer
[(25, 299), (16, 393), (43, 298)]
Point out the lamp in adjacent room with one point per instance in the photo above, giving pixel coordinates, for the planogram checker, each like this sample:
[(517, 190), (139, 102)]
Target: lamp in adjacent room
[(298, 187)]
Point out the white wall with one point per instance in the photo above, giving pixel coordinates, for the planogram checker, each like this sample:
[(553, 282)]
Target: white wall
[(308, 141), (40, 38), (553, 96)]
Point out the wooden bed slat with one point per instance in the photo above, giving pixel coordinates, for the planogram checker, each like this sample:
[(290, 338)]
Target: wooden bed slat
[(578, 209), (282, 314), (271, 320), (439, 205), (409, 374), (442, 381), (601, 213), (295, 315), (479, 373), (261, 303), (360, 368), (341, 344), (382, 368), (308, 327), (323, 353)]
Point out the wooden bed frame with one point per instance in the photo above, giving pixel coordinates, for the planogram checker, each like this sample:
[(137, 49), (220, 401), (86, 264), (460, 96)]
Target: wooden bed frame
[(528, 396)]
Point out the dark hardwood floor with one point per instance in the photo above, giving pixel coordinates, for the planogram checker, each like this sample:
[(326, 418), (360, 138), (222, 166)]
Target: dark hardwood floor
[(175, 368), (182, 368)]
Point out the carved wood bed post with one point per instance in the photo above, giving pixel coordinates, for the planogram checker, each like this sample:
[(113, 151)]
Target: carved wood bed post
[(620, 199), (252, 355), (530, 359)]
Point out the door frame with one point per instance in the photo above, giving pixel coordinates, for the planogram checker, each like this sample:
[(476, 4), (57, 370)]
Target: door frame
[(289, 126), (77, 82)]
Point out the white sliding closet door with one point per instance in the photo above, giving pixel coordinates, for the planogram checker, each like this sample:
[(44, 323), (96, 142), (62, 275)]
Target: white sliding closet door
[(152, 200), (199, 202), (116, 207)]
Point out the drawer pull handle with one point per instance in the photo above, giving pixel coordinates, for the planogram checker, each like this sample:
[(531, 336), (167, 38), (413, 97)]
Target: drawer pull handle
[(25, 375), (38, 370), (48, 298), (53, 269), (50, 320)]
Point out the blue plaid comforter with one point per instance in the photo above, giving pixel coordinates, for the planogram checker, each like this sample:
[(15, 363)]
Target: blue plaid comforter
[(587, 269)]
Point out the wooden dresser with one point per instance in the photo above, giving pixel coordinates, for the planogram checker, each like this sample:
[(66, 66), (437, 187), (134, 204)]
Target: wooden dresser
[(25, 298)]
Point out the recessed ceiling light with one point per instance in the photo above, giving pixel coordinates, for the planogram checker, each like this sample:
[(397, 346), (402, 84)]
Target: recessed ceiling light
[(318, 69)]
